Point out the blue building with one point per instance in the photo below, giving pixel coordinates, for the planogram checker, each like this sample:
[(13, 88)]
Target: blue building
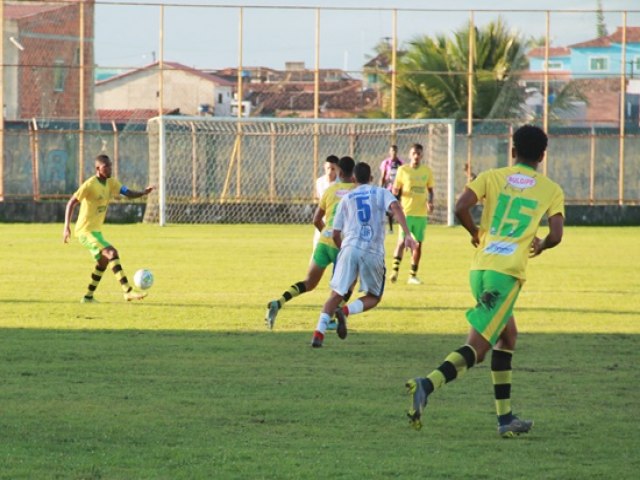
[(597, 58), (594, 66)]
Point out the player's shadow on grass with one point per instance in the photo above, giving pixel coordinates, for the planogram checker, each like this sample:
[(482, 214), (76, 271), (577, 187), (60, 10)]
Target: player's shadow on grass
[(435, 308), (316, 308)]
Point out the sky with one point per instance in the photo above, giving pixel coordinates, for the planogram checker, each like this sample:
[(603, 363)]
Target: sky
[(205, 34)]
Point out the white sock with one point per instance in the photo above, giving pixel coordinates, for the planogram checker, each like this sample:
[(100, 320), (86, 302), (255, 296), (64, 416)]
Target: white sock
[(355, 307), (323, 321)]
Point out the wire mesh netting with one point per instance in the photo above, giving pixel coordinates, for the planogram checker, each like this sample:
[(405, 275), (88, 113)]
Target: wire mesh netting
[(265, 171)]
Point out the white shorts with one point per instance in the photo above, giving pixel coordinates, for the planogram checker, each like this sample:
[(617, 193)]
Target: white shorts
[(353, 262)]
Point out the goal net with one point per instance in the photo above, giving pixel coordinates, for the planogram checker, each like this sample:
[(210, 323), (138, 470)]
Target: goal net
[(259, 170)]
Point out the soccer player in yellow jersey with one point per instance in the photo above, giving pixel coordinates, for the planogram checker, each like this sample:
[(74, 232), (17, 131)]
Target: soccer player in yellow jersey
[(515, 200), (326, 250), (94, 196), (414, 184)]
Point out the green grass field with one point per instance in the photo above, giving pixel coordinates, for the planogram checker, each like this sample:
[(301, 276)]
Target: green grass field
[(188, 384)]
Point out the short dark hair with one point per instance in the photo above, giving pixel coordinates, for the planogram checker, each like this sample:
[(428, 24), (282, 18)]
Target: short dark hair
[(394, 148), (332, 159), (104, 159), (530, 143), (346, 164), (362, 171), (417, 147)]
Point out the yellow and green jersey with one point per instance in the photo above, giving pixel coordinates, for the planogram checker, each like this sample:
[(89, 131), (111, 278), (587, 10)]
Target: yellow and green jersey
[(94, 196), (415, 184), (329, 203), (515, 199)]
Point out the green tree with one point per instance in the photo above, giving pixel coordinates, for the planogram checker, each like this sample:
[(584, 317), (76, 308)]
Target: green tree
[(601, 27), (432, 74)]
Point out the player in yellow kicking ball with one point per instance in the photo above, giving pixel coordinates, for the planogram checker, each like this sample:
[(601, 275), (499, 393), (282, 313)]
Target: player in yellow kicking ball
[(515, 200), (94, 196)]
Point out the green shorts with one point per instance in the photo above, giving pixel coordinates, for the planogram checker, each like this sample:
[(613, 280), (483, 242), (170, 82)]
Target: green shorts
[(94, 242), (496, 293), (324, 255), (417, 227)]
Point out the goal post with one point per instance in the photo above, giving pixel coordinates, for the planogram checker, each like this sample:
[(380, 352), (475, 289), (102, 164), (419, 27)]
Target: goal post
[(263, 170)]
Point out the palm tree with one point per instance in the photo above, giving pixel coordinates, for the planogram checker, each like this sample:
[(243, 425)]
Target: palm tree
[(432, 75)]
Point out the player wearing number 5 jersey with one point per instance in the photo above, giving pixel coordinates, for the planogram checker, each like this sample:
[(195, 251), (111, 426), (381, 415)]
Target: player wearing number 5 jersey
[(326, 251), (515, 200), (359, 233)]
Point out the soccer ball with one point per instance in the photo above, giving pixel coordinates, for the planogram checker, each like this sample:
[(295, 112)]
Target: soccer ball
[(143, 279)]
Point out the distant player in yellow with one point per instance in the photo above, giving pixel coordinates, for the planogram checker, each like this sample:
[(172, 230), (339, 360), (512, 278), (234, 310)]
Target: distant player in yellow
[(94, 196), (515, 200), (326, 250), (414, 184)]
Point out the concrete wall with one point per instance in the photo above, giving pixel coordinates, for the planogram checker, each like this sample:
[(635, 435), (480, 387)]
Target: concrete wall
[(121, 212)]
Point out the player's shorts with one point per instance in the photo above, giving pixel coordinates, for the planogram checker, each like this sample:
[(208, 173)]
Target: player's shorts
[(324, 255), (353, 262), (496, 293), (95, 242), (417, 227)]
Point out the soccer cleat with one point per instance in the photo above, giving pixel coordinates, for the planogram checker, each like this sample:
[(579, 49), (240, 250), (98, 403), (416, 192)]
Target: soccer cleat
[(88, 300), (134, 295), (341, 329), (318, 338), (414, 281), (393, 277), (515, 427), (272, 312), (332, 325), (415, 387)]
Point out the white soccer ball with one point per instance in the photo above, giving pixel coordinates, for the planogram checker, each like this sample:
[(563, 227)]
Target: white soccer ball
[(143, 279)]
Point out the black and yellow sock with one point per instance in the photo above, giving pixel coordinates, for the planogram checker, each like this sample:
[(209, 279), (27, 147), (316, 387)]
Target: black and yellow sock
[(117, 270), (454, 366), (414, 270), (96, 276), (501, 378), (292, 292), (396, 264)]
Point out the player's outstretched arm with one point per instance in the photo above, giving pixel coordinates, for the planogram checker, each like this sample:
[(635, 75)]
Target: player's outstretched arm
[(68, 212), (556, 228), (137, 194)]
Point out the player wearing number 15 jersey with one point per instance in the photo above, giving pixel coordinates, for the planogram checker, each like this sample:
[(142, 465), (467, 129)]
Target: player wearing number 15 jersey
[(515, 200)]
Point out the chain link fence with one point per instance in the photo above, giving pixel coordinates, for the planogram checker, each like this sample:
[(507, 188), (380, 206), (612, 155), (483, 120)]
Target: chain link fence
[(73, 88)]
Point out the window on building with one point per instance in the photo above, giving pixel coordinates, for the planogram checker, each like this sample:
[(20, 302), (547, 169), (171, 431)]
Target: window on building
[(636, 65), (59, 75), (553, 65), (219, 98), (599, 64)]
